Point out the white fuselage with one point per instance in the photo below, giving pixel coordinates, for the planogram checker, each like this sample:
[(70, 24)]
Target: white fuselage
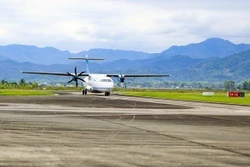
[(98, 83)]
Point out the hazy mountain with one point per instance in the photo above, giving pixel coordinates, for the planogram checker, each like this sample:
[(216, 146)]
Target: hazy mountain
[(213, 47), (235, 67), (50, 55), (153, 65), (23, 53), (163, 65), (2, 58), (10, 70), (112, 55), (181, 67)]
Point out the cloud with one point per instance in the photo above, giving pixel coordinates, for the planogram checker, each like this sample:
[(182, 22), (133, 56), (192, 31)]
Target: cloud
[(145, 25)]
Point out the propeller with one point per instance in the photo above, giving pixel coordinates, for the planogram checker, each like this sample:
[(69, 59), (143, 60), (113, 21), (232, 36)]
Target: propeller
[(76, 76), (121, 78)]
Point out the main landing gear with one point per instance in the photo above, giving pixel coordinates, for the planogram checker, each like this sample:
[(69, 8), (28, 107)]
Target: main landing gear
[(107, 93), (84, 92)]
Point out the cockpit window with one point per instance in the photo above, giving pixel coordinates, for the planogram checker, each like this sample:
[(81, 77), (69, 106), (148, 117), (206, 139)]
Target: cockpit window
[(105, 80)]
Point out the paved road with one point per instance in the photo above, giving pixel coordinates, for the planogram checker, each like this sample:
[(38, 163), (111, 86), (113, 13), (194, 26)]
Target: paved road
[(75, 130)]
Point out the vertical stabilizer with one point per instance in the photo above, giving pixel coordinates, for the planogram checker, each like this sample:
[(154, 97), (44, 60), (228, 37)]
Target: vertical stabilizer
[(87, 64)]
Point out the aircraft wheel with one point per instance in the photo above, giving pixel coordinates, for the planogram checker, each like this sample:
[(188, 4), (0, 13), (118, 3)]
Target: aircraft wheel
[(107, 93), (84, 92)]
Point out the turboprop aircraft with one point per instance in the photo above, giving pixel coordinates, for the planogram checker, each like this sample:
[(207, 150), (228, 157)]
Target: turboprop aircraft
[(96, 83)]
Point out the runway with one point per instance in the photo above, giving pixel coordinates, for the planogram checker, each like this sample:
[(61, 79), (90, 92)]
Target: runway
[(95, 130)]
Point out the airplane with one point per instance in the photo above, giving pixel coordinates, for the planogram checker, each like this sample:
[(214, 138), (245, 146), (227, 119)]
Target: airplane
[(95, 83)]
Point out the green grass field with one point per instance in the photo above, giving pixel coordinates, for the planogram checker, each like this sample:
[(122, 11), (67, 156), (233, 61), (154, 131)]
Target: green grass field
[(188, 95), (23, 92), (219, 97)]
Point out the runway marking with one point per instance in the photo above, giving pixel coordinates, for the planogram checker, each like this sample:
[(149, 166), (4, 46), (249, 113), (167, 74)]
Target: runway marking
[(177, 138)]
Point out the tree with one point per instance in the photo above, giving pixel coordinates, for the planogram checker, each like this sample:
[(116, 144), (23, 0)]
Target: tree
[(3, 82), (35, 85), (229, 85), (246, 85), (22, 82)]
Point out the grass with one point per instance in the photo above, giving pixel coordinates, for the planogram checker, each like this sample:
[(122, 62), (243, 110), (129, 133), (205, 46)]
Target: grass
[(23, 92), (219, 97), (188, 95)]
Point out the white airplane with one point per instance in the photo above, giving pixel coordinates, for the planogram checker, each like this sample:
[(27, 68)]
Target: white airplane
[(96, 83)]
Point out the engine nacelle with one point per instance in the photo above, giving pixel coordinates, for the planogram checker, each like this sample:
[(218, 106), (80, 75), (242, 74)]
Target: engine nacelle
[(121, 78), (89, 88)]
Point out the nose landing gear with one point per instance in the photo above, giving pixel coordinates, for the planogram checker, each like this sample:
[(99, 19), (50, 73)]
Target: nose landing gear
[(107, 93), (84, 92)]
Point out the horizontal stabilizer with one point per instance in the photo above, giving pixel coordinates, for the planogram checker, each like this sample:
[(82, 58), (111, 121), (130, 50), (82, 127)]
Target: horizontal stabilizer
[(85, 58)]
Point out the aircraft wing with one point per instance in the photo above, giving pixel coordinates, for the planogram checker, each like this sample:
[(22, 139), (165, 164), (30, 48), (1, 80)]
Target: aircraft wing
[(138, 75), (51, 73)]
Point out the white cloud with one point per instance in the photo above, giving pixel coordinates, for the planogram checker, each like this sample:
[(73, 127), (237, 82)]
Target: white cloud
[(145, 25)]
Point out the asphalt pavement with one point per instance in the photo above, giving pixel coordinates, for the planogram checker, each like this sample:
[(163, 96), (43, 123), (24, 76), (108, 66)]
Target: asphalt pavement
[(95, 130)]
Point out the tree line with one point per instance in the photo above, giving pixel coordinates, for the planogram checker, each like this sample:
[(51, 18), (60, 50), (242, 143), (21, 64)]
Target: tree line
[(21, 84), (231, 85), (228, 85)]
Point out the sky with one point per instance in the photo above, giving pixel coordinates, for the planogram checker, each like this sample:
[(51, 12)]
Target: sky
[(141, 25)]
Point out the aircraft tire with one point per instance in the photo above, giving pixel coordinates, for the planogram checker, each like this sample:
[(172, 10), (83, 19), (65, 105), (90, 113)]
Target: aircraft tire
[(84, 92), (107, 93)]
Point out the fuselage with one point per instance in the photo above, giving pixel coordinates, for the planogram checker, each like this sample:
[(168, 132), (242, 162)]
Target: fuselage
[(98, 83)]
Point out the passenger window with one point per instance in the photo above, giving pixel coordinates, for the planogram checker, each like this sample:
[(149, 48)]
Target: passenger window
[(105, 80)]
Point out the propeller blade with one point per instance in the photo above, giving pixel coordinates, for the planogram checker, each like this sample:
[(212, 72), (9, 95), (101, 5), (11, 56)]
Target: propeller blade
[(71, 80), (70, 74), (81, 73), (81, 79), (76, 77), (121, 78), (76, 83), (75, 71)]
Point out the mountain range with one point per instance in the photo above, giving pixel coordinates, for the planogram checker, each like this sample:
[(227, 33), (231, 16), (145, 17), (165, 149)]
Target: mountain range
[(211, 60), (212, 47), (50, 55)]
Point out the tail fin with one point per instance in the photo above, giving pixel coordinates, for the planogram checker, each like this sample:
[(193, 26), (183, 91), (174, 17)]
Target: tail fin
[(86, 59)]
